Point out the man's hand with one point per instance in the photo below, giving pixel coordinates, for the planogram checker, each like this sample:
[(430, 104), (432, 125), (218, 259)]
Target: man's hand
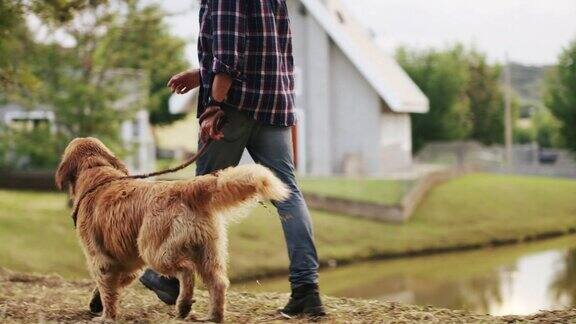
[(185, 81), (211, 122)]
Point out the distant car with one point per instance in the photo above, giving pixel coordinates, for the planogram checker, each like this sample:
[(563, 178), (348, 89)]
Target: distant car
[(547, 157)]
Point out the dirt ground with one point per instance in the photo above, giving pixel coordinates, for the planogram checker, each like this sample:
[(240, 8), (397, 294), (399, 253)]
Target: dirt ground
[(26, 298)]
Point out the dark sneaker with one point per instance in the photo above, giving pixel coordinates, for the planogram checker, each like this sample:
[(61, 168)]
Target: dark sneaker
[(304, 300), (167, 289)]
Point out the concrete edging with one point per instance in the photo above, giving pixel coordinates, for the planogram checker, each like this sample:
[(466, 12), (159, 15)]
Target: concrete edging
[(394, 213)]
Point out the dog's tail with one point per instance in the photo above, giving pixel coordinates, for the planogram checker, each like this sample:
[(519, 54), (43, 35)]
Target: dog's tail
[(244, 185)]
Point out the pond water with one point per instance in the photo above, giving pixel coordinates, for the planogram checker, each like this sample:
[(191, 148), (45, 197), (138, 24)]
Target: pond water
[(521, 279)]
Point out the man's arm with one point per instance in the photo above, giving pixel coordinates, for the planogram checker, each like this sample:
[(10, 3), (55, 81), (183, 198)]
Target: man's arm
[(228, 43), (185, 81), (220, 86)]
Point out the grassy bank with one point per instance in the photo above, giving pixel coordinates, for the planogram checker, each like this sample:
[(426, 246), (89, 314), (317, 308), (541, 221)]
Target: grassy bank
[(368, 190), (29, 298), (475, 210)]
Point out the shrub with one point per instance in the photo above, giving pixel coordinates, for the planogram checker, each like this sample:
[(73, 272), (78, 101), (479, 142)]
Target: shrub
[(26, 149)]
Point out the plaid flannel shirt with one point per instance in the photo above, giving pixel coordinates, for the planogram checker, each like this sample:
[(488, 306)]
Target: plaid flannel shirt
[(250, 40)]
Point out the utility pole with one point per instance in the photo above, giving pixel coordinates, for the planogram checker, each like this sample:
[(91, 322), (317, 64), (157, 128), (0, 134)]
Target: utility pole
[(508, 113)]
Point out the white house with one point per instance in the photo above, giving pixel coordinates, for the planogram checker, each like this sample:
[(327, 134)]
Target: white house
[(353, 100)]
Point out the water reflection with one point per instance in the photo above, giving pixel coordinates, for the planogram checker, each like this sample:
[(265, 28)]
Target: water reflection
[(563, 287), (511, 280), (526, 288)]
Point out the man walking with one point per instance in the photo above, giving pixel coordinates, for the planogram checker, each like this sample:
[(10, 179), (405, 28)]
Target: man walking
[(246, 70)]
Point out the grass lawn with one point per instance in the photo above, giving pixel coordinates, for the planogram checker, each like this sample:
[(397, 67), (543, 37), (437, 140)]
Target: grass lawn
[(36, 232), (370, 190)]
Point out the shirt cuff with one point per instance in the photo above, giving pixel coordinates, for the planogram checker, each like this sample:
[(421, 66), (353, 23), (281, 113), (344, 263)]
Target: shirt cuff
[(219, 67)]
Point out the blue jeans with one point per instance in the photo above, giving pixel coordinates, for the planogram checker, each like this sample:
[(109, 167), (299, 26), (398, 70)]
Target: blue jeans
[(270, 146)]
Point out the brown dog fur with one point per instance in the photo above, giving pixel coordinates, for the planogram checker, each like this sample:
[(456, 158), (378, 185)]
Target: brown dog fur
[(175, 227)]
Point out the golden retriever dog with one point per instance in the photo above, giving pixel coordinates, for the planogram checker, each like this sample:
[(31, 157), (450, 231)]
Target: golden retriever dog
[(177, 228)]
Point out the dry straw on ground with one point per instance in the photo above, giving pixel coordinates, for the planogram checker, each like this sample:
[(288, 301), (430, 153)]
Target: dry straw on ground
[(26, 298)]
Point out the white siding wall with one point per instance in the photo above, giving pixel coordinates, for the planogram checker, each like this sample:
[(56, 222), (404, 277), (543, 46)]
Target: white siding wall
[(298, 26), (356, 114), (312, 60), (395, 141), (318, 99)]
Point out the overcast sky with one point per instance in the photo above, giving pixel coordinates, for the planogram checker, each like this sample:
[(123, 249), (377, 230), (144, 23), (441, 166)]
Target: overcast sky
[(530, 31)]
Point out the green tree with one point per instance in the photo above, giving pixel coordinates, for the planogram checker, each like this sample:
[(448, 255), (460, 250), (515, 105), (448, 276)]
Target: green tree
[(107, 35), (118, 57), (443, 77), (15, 39), (134, 36), (37, 148), (141, 40), (83, 95), (486, 100), (16, 42), (83, 90), (560, 94), (547, 129)]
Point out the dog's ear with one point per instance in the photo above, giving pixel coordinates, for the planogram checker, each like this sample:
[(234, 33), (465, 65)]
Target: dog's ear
[(68, 168), (115, 162), (66, 172), (99, 149)]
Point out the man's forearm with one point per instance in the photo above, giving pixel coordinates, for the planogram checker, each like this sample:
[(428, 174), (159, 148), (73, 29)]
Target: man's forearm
[(220, 86)]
